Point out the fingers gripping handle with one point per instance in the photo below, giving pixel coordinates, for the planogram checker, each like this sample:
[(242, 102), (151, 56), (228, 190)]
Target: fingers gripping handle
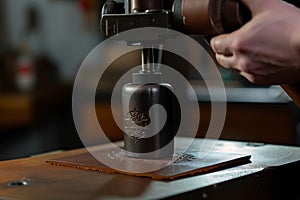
[(213, 17)]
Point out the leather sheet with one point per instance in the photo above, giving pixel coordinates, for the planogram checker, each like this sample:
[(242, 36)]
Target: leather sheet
[(186, 164)]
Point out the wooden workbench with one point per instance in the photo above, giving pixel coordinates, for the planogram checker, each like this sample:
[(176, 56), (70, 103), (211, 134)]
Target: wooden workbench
[(270, 175)]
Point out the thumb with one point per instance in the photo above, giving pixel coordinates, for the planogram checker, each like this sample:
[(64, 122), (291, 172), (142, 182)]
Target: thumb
[(222, 44)]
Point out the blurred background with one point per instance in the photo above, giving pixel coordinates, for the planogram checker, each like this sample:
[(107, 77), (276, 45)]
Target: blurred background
[(42, 45)]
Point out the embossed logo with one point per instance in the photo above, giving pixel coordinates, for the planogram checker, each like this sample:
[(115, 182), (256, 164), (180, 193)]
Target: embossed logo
[(136, 124)]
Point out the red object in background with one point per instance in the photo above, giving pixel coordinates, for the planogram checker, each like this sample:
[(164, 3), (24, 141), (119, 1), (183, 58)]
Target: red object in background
[(25, 69), (86, 5), (25, 76)]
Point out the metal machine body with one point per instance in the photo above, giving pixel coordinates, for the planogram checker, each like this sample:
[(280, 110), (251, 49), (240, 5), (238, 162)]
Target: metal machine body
[(207, 17), (196, 17)]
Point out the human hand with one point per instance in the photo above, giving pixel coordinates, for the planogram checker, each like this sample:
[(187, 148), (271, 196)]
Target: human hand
[(266, 50)]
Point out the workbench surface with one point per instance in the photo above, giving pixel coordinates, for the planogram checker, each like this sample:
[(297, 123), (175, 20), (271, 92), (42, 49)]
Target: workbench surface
[(270, 175)]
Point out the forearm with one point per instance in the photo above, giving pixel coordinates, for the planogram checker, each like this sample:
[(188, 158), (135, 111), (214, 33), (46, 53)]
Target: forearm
[(295, 34), (296, 40)]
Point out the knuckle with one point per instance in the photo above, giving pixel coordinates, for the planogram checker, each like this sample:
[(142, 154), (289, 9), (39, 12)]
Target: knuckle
[(239, 45), (244, 65)]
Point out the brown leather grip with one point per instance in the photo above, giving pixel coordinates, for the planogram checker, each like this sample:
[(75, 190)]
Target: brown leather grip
[(196, 17), (293, 90)]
